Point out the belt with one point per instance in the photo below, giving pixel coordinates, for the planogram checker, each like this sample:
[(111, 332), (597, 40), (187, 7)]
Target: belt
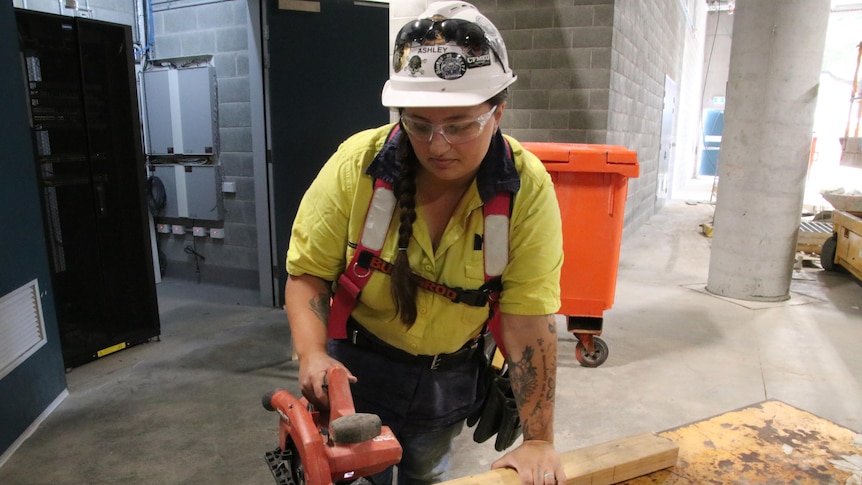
[(362, 338)]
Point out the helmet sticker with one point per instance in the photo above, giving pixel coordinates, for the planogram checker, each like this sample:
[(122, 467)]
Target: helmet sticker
[(477, 57), (450, 66), (414, 65), (452, 54), (453, 45)]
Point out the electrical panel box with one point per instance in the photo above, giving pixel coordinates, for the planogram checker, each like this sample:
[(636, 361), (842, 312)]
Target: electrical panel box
[(167, 174), (203, 192), (182, 111), (191, 191)]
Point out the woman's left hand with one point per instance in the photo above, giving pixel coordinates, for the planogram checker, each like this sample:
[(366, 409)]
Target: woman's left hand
[(536, 461)]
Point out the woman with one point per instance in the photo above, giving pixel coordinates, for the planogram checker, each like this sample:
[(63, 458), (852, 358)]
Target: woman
[(410, 335)]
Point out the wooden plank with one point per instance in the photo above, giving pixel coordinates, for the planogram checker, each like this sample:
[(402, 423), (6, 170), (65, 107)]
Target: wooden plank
[(601, 464), (849, 248), (812, 248)]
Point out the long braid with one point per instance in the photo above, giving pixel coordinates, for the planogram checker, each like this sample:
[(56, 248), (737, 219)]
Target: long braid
[(404, 287)]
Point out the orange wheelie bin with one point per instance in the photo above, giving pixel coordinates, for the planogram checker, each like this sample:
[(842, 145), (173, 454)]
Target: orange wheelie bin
[(591, 182)]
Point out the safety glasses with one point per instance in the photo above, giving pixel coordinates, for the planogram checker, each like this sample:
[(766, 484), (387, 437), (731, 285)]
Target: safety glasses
[(454, 133), (428, 31)]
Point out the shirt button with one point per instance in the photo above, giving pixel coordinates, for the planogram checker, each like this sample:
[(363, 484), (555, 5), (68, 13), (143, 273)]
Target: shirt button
[(423, 310), (428, 268)]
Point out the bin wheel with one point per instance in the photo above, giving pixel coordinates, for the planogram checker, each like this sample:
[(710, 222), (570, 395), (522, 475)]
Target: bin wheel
[(595, 359), (827, 253)]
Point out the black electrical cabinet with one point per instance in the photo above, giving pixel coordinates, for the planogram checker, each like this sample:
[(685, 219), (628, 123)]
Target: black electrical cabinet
[(89, 156)]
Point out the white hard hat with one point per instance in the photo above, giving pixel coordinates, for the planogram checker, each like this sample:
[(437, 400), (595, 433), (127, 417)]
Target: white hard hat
[(452, 55)]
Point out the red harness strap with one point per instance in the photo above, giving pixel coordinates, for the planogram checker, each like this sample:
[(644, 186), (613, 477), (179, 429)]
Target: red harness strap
[(365, 260), (479, 298), (354, 278), (497, 206)]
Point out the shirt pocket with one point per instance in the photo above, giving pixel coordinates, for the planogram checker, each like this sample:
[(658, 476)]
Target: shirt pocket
[(474, 270)]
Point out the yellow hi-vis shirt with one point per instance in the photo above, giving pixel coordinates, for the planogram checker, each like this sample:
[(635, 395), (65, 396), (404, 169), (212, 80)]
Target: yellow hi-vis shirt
[(331, 215)]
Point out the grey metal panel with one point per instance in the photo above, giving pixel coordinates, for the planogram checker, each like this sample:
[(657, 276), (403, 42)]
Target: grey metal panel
[(197, 101), (204, 196), (167, 174), (158, 102)]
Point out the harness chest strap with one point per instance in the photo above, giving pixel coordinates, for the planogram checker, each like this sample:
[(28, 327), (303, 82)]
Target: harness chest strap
[(354, 278), (366, 259), (496, 252), (478, 298)]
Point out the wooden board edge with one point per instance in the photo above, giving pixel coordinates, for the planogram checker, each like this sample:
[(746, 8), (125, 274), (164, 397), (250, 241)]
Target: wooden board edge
[(601, 464)]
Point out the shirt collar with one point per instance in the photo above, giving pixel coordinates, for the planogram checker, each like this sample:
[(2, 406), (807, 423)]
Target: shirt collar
[(496, 173)]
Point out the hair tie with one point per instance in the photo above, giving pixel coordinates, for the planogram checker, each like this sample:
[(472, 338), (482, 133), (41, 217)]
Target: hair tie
[(402, 249)]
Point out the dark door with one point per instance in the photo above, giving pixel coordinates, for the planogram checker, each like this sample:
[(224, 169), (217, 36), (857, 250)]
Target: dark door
[(325, 73), (89, 159)]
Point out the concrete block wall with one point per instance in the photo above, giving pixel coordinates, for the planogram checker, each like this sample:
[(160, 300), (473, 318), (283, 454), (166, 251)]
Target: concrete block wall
[(590, 71), (217, 29), (648, 44), (561, 53)]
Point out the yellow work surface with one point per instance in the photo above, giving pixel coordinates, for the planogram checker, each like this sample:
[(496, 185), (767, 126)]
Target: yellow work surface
[(766, 443)]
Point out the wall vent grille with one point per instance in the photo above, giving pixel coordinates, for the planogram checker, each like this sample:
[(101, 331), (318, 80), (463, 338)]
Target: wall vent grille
[(22, 327)]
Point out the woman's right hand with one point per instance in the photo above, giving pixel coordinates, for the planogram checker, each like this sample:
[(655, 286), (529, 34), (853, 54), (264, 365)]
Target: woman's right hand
[(312, 372)]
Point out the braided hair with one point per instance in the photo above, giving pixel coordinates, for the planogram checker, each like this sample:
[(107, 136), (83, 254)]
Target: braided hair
[(404, 285)]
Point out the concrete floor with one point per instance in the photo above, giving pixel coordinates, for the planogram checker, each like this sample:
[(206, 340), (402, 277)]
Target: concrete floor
[(187, 409)]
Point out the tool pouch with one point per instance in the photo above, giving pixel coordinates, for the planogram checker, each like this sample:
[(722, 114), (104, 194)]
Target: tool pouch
[(498, 415)]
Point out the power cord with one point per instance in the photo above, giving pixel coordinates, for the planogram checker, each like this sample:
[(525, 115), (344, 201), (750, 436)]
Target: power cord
[(198, 258), (156, 195)]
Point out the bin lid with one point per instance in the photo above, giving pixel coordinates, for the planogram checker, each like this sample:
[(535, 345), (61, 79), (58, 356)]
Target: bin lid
[(582, 157)]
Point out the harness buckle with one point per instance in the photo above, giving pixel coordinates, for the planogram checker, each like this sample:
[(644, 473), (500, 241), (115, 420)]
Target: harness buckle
[(358, 274)]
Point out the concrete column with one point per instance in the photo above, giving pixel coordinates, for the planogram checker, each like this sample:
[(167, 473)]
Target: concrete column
[(775, 64)]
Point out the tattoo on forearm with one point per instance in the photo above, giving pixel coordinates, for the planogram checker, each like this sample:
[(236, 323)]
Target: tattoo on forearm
[(320, 307), (524, 377), (534, 382)]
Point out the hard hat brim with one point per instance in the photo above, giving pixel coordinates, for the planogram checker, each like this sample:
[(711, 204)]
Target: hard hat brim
[(417, 98)]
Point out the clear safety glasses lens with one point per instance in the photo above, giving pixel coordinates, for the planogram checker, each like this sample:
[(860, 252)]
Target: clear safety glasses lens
[(454, 133)]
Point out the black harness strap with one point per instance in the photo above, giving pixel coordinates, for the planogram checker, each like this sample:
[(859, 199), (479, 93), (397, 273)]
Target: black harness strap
[(477, 298)]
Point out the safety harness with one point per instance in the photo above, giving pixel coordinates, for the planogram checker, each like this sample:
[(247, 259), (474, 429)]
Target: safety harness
[(366, 259)]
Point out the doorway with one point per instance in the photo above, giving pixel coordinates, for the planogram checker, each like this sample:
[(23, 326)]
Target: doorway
[(324, 75)]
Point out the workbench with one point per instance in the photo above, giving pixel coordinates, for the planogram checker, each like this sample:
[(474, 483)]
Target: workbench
[(848, 247), (767, 443)]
